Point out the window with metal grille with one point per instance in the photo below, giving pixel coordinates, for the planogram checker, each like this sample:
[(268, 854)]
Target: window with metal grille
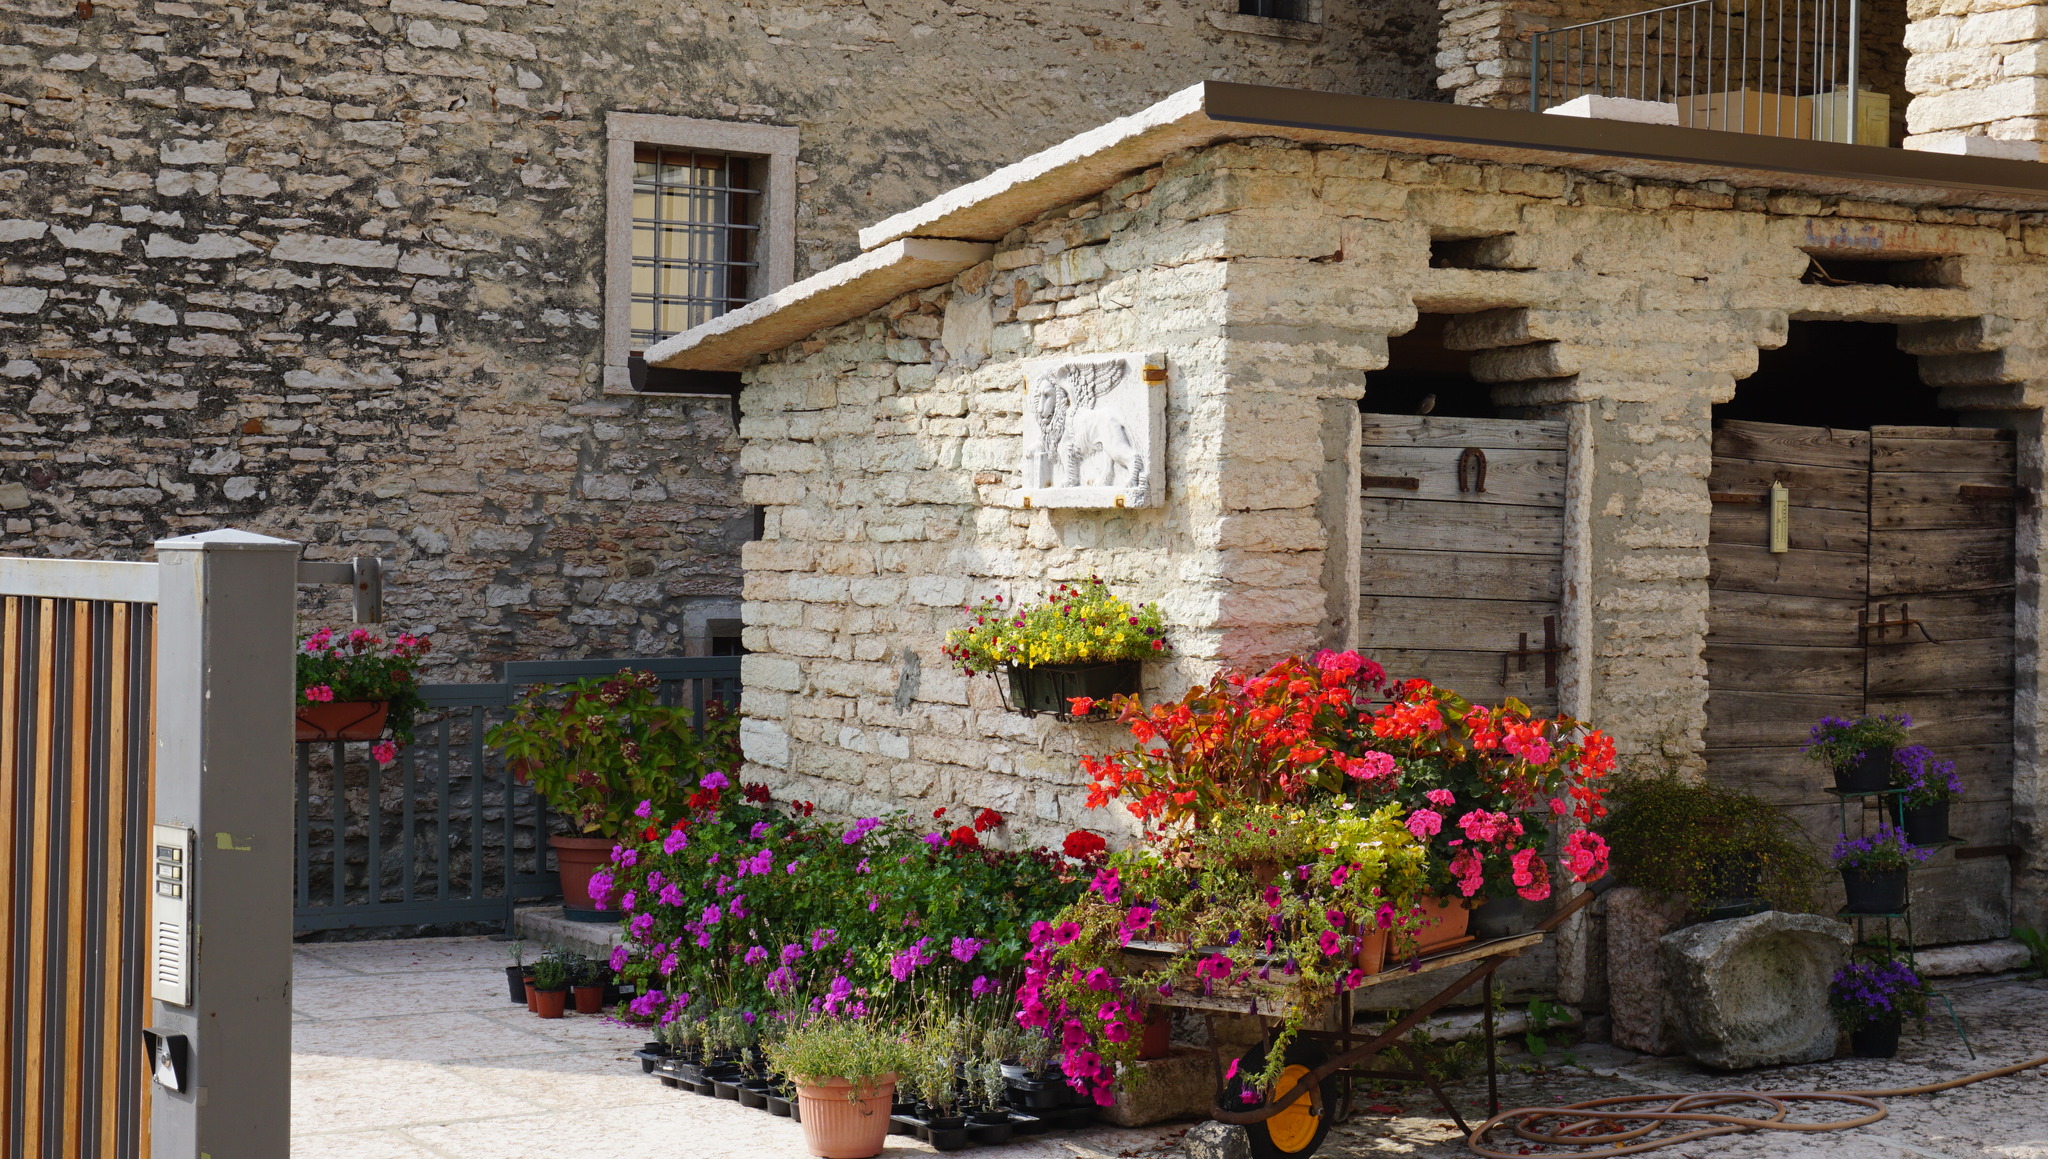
[(1274, 9), (695, 226)]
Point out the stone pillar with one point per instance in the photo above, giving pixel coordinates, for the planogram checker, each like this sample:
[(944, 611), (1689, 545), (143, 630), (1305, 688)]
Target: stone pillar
[(1482, 52), (1636, 919), (1978, 72)]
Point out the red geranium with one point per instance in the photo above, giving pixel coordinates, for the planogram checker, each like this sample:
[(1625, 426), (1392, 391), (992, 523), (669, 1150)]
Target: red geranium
[(1082, 845), (986, 820), (965, 837)]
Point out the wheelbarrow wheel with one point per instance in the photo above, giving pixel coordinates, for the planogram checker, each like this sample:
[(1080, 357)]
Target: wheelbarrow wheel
[(1299, 1130)]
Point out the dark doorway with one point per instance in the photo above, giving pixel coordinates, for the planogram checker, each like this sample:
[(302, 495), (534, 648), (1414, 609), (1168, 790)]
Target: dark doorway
[(1842, 375), (1423, 377)]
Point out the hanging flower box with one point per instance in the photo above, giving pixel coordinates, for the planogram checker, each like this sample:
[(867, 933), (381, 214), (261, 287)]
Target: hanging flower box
[(343, 720), (1054, 688), (1077, 643)]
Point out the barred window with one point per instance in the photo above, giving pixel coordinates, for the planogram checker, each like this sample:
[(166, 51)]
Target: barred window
[(695, 247), (1275, 9)]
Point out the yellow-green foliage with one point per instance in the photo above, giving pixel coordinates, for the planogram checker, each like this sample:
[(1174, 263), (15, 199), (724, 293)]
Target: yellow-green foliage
[(1072, 624)]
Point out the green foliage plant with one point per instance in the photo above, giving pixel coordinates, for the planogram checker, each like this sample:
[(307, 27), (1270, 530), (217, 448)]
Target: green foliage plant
[(551, 973), (596, 748), (1685, 838), (863, 1051), (2036, 943), (1077, 623)]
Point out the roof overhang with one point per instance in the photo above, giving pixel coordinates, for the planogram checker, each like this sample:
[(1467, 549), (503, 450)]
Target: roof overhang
[(985, 210)]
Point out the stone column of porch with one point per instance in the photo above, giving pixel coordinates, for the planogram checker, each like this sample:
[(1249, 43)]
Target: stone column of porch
[(1978, 72)]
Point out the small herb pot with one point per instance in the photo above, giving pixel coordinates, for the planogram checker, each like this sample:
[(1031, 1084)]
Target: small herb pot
[(515, 983), (778, 1106), (1927, 825), (549, 1003), (1872, 774), (1875, 1039), (990, 1127), (589, 999), (1880, 892), (690, 1072), (705, 1087), (726, 1088), (948, 1138), (753, 1098), (946, 1122), (527, 984)]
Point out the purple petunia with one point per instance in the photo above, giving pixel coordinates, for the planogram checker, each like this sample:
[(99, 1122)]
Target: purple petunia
[(964, 949)]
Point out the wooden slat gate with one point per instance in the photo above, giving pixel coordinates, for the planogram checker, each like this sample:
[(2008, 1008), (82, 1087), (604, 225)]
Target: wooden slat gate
[(76, 747), (1462, 540), (1894, 594)]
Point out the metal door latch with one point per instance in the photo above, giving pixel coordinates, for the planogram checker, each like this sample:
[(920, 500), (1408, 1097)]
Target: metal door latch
[(1550, 651), (1866, 624), (364, 573)]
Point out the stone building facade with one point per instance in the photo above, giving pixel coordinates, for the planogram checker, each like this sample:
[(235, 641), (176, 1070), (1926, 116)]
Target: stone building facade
[(336, 272), (1273, 267)]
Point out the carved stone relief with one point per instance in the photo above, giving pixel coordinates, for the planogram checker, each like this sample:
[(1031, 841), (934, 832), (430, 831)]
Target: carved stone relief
[(1095, 431)]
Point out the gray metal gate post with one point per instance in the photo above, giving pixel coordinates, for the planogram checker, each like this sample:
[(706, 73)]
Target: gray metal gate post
[(225, 696)]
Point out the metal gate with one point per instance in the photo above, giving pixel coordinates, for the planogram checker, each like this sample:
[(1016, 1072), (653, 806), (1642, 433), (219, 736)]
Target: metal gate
[(444, 835)]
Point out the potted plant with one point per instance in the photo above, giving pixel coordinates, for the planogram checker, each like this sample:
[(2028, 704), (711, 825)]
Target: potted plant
[(1859, 751), (601, 747), (588, 985), (551, 985), (357, 685), (1874, 869), (515, 974), (1077, 646), (1931, 786), (845, 1073), (1721, 851), (1871, 1000)]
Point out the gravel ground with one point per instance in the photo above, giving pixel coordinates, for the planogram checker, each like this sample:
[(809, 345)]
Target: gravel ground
[(410, 1050)]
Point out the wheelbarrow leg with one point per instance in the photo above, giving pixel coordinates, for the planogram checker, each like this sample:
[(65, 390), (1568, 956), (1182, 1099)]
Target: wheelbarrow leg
[(1492, 1053), (1436, 1088)]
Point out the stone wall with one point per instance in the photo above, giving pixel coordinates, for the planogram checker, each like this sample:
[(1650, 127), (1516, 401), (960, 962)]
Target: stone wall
[(1272, 274), (332, 272)]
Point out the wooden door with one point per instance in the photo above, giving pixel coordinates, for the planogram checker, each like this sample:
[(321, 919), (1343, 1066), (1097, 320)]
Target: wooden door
[(1895, 595), (1462, 540)]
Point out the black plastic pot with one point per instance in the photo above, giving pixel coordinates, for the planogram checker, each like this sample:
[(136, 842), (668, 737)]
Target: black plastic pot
[(1500, 917), (725, 1088), (777, 1105), (1881, 892), (1927, 825), (1037, 688), (947, 1139), (1872, 774), (946, 1122), (1875, 1039), (690, 1072), (707, 1088), (752, 1098), (515, 983), (990, 1128)]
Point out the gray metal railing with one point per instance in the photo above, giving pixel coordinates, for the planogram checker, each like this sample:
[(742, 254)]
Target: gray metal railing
[(445, 835), (1787, 68)]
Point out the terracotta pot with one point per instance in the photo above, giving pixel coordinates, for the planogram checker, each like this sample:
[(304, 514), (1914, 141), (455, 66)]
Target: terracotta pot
[(1158, 1039), (589, 999), (531, 1005), (1443, 927), (577, 858), (835, 1128), (550, 1003), (343, 720), (1372, 953)]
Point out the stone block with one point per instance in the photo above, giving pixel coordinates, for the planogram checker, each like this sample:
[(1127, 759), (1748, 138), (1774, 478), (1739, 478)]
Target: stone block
[(1753, 991), (1180, 1086), (1636, 920), (1214, 1140)]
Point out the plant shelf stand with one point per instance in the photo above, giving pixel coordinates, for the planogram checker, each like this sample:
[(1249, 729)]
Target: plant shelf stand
[(1353, 1049), (1891, 804)]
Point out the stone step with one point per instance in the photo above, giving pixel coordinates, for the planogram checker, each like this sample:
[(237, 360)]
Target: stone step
[(546, 925), (1972, 958)]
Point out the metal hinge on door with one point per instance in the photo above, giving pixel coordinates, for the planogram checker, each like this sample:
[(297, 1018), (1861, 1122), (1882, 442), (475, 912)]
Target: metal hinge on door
[(1550, 651), (1866, 625)]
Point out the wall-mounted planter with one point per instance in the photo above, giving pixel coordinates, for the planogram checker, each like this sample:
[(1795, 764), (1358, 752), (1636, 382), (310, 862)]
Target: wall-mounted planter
[(343, 720), (1051, 688)]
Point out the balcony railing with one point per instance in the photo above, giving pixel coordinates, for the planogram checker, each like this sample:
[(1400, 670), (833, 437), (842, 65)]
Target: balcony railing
[(1786, 68)]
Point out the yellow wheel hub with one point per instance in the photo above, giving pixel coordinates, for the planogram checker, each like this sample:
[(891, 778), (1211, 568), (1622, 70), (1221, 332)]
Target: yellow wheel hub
[(1294, 1128)]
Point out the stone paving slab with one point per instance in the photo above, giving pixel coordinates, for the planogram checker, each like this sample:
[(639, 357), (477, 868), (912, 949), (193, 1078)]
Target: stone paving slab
[(410, 1050)]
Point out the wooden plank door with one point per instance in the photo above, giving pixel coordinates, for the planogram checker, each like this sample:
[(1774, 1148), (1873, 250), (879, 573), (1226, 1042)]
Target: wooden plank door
[(1942, 571), (1462, 541), (1782, 643), (1895, 596)]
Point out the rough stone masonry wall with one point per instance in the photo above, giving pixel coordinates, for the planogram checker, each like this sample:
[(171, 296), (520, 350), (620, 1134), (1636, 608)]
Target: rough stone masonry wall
[(884, 448), (330, 271)]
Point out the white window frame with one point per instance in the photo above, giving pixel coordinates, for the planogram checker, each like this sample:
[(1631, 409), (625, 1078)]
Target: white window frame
[(776, 145)]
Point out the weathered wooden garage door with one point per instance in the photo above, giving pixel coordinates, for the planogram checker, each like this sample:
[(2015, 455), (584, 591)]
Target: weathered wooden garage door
[(1895, 595), (1462, 536)]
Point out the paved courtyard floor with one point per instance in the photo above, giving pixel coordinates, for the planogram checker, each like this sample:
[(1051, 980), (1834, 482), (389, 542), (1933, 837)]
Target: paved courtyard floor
[(410, 1050)]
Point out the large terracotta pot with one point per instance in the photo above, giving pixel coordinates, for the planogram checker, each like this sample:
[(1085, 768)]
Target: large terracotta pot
[(1372, 951), (1443, 927), (836, 1128), (343, 720), (577, 858)]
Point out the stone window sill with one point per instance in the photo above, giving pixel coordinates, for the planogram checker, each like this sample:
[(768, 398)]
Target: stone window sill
[(1267, 26)]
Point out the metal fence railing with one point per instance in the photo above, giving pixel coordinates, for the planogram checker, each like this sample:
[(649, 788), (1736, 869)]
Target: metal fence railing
[(1786, 68), (445, 834)]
